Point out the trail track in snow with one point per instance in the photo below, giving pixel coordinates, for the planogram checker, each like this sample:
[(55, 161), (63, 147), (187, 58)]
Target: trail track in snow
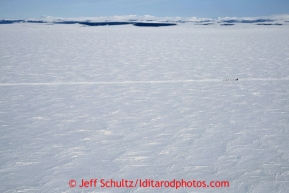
[(137, 82)]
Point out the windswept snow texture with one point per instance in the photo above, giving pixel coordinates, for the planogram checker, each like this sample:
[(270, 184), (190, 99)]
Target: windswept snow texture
[(120, 102)]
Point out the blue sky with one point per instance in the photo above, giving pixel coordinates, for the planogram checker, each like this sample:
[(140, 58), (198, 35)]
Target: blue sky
[(24, 9)]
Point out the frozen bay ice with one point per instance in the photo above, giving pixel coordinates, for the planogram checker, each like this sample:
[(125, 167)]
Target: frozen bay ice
[(143, 103)]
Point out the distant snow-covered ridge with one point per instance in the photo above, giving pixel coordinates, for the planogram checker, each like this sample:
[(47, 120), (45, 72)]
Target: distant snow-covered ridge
[(148, 20)]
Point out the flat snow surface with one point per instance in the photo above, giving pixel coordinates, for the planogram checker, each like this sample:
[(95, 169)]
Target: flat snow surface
[(124, 102)]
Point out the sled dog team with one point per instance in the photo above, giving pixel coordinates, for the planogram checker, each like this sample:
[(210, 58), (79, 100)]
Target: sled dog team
[(232, 79)]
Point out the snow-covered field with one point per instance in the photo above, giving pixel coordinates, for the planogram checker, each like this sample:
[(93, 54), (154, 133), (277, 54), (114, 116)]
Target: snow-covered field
[(123, 102)]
